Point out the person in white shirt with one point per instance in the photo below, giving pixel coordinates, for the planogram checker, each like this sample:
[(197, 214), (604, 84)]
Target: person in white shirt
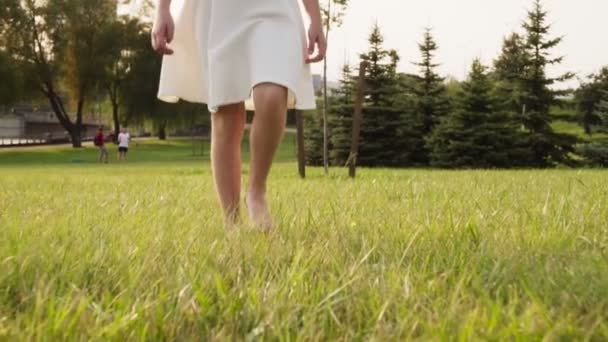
[(123, 144)]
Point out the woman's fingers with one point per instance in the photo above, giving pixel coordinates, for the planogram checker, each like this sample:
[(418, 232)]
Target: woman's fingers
[(321, 48), (170, 32), (322, 44), (160, 38), (311, 44), (162, 33)]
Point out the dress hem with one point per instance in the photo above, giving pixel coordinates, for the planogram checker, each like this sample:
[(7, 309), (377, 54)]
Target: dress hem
[(241, 99)]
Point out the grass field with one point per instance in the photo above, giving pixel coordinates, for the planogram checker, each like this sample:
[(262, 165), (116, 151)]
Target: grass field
[(137, 252)]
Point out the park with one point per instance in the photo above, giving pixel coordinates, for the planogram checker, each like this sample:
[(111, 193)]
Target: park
[(478, 210)]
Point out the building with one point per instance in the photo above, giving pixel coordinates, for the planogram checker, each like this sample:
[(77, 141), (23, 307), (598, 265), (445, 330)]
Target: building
[(317, 84), (28, 122)]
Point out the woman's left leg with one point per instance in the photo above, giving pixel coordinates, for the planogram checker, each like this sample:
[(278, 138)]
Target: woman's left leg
[(266, 133)]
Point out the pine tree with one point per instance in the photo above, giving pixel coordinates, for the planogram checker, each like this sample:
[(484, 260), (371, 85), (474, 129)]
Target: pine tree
[(601, 111), (410, 143), (340, 118), (433, 102), (313, 138), (549, 148), (588, 96), (596, 152), (381, 119), (509, 68), (478, 134)]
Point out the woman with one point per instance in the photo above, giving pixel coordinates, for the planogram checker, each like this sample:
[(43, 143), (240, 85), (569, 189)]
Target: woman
[(233, 55)]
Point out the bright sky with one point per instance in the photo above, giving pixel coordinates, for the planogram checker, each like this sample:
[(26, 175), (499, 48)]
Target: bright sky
[(465, 29)]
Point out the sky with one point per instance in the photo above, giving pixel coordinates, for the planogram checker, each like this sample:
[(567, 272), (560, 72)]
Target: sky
[(466, 29)]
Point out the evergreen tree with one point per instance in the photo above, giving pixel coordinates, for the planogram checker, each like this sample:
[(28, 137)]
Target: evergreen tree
[(313, 137), (381, 118), (601, 111), (509, 68), (478, 134), (596, 152), (549, 148), (432, 99), (340, 118), (588, 97), (410, 133)]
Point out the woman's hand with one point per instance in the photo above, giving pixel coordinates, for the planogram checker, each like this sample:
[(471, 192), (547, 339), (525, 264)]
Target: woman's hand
[(316, 38), (162, 31)]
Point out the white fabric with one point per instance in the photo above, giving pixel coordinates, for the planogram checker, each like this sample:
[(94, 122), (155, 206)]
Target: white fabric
[(223, 48), (123, 139)]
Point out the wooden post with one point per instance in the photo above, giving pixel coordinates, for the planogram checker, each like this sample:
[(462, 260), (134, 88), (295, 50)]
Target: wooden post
[(300, 144), (357, 118)]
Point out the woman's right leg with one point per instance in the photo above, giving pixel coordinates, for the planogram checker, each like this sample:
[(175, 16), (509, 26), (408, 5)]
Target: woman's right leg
[(227, 126)]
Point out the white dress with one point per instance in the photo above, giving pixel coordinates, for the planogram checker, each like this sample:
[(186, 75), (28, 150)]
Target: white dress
[(223, 48)]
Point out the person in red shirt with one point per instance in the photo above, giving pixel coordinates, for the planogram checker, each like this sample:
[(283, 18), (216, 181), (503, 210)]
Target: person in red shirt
[(101, 145)]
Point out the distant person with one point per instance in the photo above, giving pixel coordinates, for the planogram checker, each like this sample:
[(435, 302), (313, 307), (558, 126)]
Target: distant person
[(229, 52), (100, 142), (123, 144)]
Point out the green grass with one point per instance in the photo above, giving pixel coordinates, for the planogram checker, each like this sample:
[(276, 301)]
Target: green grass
[(565, 120), (576, 130), (141, 151), (137, 252)]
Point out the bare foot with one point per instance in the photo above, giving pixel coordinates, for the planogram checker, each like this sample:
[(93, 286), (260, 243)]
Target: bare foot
[(231, 220), (259, 211)]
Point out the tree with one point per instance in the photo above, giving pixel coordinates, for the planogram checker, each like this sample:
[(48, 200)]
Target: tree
[(313, 140), (410, 142), (126, 32), (596, 152), (588, 97), (340, 116), (10, 87), (549, 148), (59, 42), (601, 111), (509, 69), (332, 12), (139, 87), (432, 99), (381, 115), (478, 134)]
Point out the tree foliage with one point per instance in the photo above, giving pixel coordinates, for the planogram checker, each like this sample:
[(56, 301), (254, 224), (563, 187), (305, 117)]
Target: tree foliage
[(478, 133), (61, 47), (589, 97), (538, 92)]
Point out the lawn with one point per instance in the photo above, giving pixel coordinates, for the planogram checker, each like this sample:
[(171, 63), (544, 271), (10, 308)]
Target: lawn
[(136, 251)]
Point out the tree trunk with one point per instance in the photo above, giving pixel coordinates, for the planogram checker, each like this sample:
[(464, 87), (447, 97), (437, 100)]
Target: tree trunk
[(112, 89), (162, 131), (64, 119), (115, 119), (75, 137), (357, 118)]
